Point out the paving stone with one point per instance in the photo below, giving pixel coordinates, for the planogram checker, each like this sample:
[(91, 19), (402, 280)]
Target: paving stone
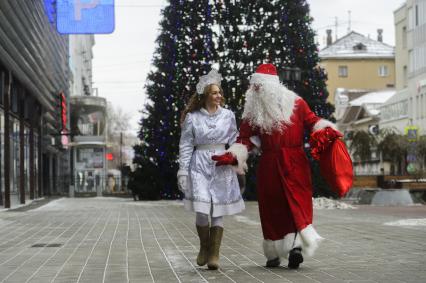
[(119, 240)]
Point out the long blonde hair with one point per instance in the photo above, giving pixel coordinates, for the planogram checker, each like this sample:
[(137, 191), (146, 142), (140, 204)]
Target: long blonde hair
[(197, 101)]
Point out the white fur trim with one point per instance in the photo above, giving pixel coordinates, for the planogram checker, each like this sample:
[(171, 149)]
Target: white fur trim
[(323, 123), (182, 172), (306, 239), (310, 240), (259, 78), (269, 249), (256, 141), (241, 153), (257, 145)]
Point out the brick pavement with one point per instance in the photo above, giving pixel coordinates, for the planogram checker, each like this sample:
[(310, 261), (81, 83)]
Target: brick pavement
[(118, 240)]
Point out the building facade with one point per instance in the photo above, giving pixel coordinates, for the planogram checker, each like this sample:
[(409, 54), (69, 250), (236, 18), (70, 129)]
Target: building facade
[(363, 114), (34, 76), (80, 61), (410, 105), (359, 63), (88, 122), (88, 125)]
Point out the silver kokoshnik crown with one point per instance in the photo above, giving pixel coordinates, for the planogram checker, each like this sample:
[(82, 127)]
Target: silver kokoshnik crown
[(213, 77)]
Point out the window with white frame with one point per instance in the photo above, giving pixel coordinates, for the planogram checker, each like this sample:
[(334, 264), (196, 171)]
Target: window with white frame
[(343, 71), (383, 71), (410, 19)]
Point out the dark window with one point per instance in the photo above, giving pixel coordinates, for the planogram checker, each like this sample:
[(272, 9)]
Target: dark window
[(2, 86), (417, 15), (14, 93), (359, 47)]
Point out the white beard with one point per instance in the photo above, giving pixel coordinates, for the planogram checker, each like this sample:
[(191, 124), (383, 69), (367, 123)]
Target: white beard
[(270, 108)]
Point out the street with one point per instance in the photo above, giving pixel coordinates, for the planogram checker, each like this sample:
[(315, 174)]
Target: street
[(119, 240)]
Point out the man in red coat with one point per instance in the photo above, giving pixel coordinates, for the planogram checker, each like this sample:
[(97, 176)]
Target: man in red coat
[(275, 120)]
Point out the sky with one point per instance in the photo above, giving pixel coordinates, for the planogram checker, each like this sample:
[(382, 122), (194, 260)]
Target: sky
[(122, 59)]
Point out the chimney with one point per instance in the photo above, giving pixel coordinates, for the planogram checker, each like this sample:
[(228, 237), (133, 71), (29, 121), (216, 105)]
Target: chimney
[(380, 35), (329, 37)]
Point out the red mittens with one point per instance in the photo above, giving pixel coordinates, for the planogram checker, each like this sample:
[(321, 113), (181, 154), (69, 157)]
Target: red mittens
[(225, 159)]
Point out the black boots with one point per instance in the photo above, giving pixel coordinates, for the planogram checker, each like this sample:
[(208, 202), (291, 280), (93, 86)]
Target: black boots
[(273, 262), (295, 258)]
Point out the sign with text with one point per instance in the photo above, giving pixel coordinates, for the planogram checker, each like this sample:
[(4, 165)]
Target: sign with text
[(85, 16)]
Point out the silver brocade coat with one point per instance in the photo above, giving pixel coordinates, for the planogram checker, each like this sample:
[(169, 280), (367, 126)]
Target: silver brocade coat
[(210, 188)]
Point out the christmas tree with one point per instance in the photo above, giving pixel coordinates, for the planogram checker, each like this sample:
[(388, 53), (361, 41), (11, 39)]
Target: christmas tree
[(247, 33), (184, 52)]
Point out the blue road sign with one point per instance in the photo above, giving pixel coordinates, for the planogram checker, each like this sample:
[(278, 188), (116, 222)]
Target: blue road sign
[(49, 7), (85, 16)]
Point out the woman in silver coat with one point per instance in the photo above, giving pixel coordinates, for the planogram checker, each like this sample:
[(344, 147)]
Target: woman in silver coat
[(209, 189)]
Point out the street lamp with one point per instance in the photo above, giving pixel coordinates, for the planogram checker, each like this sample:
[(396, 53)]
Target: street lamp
[(288, 74)]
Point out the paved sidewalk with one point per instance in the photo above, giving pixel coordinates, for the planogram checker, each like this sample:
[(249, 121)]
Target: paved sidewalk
[(119, 240)]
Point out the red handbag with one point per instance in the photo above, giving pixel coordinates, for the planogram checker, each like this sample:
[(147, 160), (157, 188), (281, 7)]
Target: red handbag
[(334, 159)]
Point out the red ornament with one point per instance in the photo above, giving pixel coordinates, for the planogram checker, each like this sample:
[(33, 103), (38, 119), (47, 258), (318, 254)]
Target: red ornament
[(194, 55)]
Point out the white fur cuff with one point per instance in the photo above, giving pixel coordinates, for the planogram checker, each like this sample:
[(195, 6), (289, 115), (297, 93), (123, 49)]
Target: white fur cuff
[(310, 239), (306, 239), (323, 123), (182, 172), (269, 249), (241, 153)]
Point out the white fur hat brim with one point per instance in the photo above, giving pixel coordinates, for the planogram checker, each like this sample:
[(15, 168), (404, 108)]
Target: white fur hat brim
[(259, 78)]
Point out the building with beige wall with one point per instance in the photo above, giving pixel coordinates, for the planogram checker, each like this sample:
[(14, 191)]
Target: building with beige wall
[(358, 62), (408, 107)]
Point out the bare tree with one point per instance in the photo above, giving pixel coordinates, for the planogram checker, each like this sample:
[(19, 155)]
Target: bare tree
[(118, 121), (118, 124)]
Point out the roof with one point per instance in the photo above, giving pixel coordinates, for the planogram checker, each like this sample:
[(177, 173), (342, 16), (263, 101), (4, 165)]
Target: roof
[(376, 97), (401, 95), (366, 106), (351, 114), (356, 46)]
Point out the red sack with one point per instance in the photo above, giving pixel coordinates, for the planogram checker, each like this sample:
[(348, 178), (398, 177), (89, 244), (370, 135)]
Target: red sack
[(334, 159), (336, 167)]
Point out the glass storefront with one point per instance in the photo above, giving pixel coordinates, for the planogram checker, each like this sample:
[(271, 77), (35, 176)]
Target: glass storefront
[(89, 122), (1, 157), (89, 169), (27, 160), (36, 170), (14, 156)]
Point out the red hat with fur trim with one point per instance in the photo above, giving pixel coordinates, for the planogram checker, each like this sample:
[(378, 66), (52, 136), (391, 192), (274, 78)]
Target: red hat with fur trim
[(265, 73)]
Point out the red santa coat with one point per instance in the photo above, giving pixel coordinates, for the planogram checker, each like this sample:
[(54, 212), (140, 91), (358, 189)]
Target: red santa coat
[(284, 185)]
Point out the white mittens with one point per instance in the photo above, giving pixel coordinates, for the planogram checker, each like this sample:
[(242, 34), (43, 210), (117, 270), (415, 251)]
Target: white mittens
[(182, 181)]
